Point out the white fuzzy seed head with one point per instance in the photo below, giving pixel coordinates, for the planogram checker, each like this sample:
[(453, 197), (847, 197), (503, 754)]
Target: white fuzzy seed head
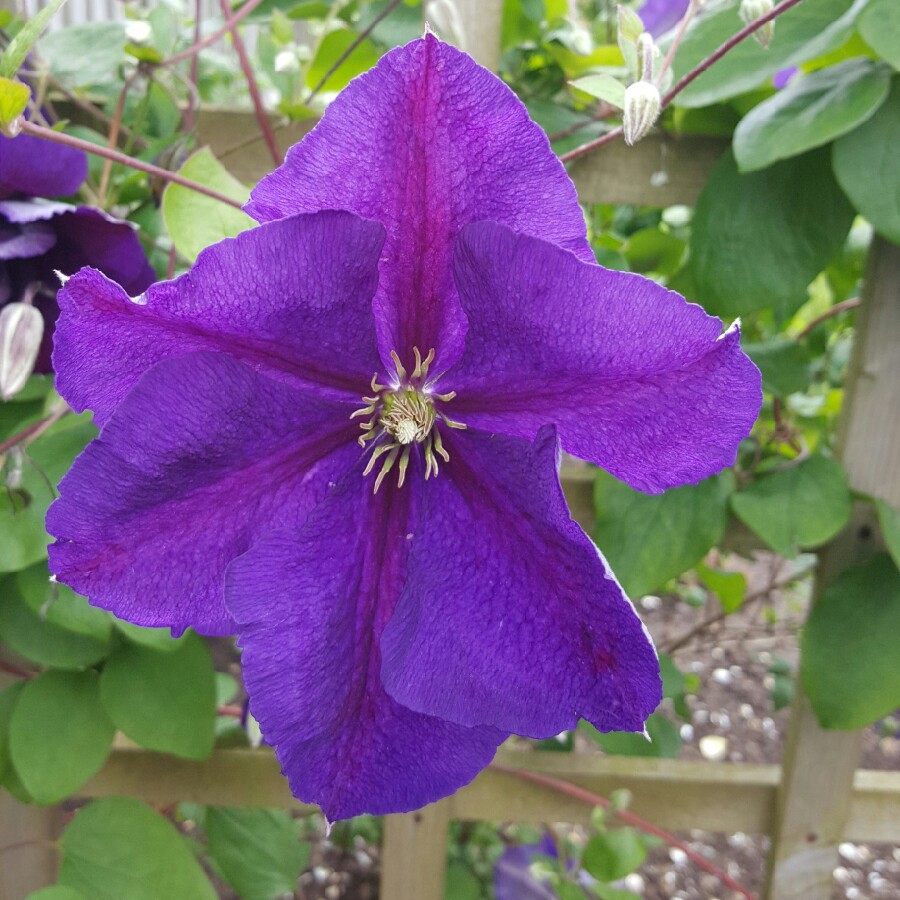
[(642, 103), (21, 330)]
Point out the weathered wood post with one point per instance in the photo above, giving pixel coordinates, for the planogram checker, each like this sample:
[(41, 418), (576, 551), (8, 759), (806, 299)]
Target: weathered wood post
[(818, 766)]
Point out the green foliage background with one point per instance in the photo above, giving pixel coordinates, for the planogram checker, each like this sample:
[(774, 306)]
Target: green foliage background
[(778, 238)]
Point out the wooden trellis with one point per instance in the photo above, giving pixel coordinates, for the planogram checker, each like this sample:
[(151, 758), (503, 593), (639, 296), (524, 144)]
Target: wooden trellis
[(816, 799)]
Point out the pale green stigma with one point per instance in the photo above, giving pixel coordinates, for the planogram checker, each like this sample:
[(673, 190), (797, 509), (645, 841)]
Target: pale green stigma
[(403, 415)]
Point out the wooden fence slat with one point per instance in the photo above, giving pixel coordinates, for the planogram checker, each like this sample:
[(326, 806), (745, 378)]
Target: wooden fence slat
[(673, 793), (662, 170), (414, 854), (814, 798), (481, 22), (26, 869)]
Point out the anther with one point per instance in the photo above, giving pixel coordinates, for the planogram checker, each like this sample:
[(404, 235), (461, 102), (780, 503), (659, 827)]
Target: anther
[(401, 372), (388, 465)]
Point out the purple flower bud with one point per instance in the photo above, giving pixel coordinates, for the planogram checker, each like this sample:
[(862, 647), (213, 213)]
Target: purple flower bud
[(642, 102), (21, 330)]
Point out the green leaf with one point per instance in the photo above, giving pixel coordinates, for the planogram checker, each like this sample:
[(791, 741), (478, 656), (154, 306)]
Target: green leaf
[(813, 110), (144, 53), (729, 587), (782, 691), (603, 87), (57, 892), (462, 884), (8, 699), (867, 166), (784, 365), (802, 33), (226, 688), (606, 892), (760, 238), (155, 638), (119, 848), (59, 734), (665, 739), (309, 9), (195, 221), (82, 55), (611, 855), (565, 890), (332, 47), (23, 540), (257, 850), (654, 250), (889, 520), (163, 701), (17, 49), (14, 97), (650, 538), (50, 624), (802, 506), (849, 647), (879, 25)]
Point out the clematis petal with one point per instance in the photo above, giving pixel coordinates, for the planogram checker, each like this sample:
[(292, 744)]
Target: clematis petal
[(33, 209), (25, 241), (509, 616), (292, 298), (200, 458), (33, 167), (90, 237), (311, 606), (660, 16), (424, 143), (637, 380)]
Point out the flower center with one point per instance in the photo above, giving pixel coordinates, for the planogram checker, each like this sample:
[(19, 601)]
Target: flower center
[(402, 415)]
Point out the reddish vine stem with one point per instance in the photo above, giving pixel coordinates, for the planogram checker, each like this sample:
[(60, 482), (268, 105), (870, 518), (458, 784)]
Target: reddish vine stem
[(727, 47), (265, 126), (689, 77), (15, 671), (35, 430), (579, 793), (190, 112), (217, 35), (113, 139), (685, 638), (57, 87), (689, 13), (835, 310), (346, 54), (67, 139)]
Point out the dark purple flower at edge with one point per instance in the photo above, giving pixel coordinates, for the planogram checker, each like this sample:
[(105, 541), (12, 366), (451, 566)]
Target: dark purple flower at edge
[(513, 879), (392, 639), (39, 237)]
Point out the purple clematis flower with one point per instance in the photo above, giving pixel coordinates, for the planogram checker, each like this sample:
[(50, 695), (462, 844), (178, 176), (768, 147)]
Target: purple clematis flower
[(394, 551), (39, 236), (513, 879), (660, 16)]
